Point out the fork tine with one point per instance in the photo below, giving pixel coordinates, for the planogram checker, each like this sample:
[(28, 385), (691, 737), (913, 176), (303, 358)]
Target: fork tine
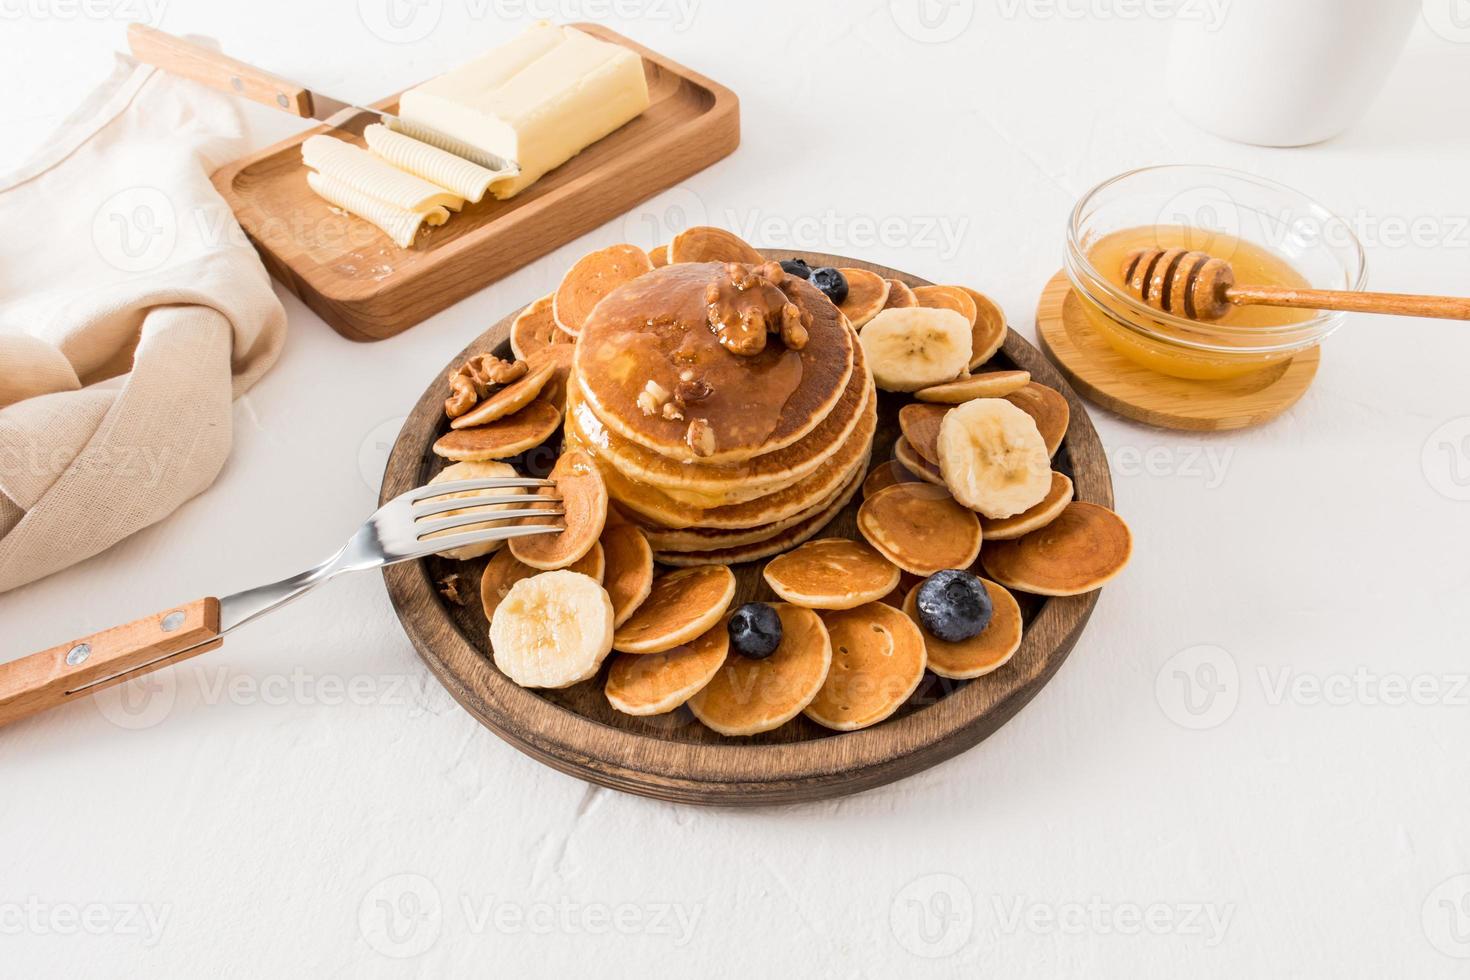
[(458, 486), (432, 507), (423, 529), (452, 541)]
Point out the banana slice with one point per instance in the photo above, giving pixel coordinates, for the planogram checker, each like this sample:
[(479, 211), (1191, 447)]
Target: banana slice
[(915, 347), (473, 471), (993, 458), (552, 630)]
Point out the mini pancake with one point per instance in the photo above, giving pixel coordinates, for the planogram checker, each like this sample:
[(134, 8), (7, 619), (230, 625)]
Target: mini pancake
[(705, 539), (979, 655), (899, 295), (866, 294), (536, 328), (503, 438), (658, 257), (906, 584), (584, 499), (990, 328), (655, 683), (509, 399), (559, 357), (1084, 547), (905, 455), (628, 576), (754, 404), (920, 426), (947, 298), (833, 573), (505, 570), (1056, 500), (747, 696), (656, 507), (700, 540), (988, 384), (707, 486), (703, 243), (473, 471), (787, 539), (1048, 407), (921, 529), (886, 475), (592, 277), (878, 660), (680, 606)]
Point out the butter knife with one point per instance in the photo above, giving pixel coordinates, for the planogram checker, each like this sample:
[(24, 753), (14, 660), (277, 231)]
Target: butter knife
[(187, 59)]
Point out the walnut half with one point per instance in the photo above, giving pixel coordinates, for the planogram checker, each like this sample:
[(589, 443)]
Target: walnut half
[(700, 437), (474, 379)]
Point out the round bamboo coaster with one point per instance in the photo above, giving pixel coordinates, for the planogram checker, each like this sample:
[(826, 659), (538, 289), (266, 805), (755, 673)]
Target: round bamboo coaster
[(1103, 376)]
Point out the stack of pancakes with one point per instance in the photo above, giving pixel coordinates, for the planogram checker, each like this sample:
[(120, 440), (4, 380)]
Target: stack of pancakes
[(722, 452)]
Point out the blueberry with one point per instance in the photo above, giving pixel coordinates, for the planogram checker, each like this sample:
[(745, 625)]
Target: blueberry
[(954, 605), (797, 267), (832, 282), (755, 630)]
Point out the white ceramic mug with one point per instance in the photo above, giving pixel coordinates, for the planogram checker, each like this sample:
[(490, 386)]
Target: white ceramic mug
[(1283, 72)]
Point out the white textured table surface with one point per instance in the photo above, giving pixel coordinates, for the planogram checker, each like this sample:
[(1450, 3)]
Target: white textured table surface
[(1254, 763)]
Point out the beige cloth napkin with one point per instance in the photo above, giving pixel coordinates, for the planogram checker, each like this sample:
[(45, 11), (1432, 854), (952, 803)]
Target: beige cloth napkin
[(132, 313)]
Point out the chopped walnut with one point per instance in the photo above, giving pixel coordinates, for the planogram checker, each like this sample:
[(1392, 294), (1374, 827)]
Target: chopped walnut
[(700, 437), (750, 301), (652, 398), (672, 412), (474, 379), (451, 587), (689, 391), (793, 326)]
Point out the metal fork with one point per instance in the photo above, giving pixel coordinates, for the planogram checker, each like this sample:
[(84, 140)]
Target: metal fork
[(400, 530)]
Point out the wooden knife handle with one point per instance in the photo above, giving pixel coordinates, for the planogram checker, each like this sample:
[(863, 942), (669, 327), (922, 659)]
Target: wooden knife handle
[(80, 667), (180, 57)]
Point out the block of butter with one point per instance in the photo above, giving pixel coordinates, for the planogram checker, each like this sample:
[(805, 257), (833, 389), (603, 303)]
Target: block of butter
[(538, 100)]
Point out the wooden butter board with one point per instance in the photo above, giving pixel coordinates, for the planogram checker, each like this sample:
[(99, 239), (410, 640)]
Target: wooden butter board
[(368, 288), (674, 757), (1112, 381)]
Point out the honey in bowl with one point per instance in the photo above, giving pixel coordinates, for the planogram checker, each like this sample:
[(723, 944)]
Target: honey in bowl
[(1269, 234), (1253, 263)]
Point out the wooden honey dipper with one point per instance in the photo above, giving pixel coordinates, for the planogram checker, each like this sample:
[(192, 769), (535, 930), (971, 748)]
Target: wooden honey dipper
[(1200, 287)]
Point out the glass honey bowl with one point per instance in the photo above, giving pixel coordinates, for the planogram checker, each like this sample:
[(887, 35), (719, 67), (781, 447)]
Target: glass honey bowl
[(1271, 235)]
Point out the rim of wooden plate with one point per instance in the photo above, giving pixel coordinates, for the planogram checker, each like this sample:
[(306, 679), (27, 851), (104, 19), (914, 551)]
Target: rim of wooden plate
[(736, 774)]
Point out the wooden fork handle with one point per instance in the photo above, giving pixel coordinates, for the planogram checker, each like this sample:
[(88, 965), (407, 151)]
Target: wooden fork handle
[(1403, 304), (82, 666), (208, 67)]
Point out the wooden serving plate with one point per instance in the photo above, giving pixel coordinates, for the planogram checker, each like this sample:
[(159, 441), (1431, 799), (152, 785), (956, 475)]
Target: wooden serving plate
[(368, 288), (674, 757)]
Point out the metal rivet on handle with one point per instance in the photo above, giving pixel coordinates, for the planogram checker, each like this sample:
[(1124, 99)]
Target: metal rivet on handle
[(78, 653), (173, 621), (282, 101), (236, 83)]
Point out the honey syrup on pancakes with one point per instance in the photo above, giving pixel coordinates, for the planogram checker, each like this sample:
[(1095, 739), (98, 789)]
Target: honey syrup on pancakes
[(674, 354)]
